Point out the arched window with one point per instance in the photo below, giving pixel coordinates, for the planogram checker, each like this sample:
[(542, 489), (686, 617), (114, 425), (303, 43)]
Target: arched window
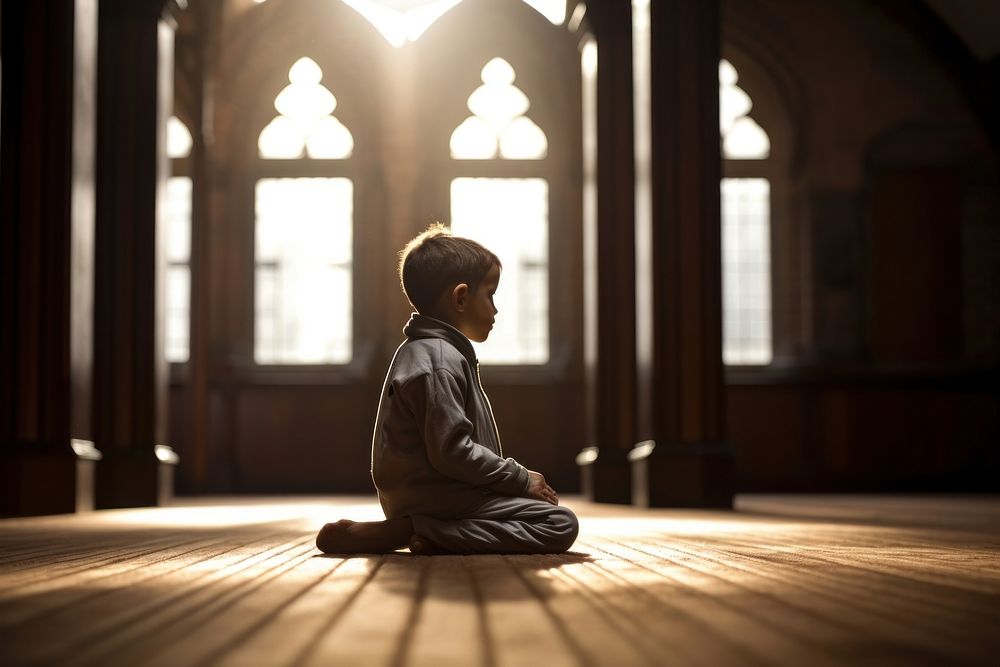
[(746, 232), (178, 238), (303, 228), (508, 215)]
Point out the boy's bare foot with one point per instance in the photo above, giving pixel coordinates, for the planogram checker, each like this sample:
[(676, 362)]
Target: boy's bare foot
[(364, 537), (421, 546)]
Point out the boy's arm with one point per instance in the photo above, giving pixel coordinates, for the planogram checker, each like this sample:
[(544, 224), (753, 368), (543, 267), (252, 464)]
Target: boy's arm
[(437, 402)]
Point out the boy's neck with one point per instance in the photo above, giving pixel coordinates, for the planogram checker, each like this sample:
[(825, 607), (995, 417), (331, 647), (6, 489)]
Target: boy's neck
[(442, 313), (426, 326), (444, 320)]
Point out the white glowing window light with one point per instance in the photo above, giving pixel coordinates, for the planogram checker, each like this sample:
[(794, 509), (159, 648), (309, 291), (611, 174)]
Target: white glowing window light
[(177, 219), (742, 137), (305, 126), (746, 271), (402, 21), (510, 216), (178, 286), (178, 139), (303, 255), (498, 126)]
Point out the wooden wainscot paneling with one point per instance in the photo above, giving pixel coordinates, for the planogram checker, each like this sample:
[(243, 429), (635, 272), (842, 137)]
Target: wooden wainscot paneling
[(310, 439), (822, 431), (765, 426)]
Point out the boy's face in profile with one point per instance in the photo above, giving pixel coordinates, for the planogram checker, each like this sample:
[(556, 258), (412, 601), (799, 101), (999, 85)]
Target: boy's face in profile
[(475, 313)]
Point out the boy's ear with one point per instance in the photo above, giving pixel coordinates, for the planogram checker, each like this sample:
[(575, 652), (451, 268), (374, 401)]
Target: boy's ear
[(458, 296)]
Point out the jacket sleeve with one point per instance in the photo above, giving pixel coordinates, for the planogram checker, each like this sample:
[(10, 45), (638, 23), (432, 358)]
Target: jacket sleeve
[(437, 402)]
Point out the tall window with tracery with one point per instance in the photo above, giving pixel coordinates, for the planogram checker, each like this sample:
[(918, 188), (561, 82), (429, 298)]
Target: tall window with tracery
[(304, 228), (508, 215), (177, 219), (746, 233)]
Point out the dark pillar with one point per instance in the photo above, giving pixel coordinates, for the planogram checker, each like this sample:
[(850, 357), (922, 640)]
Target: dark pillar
[(202, 47), (134, 95), (610, 262), (49, 52), (686, 462)]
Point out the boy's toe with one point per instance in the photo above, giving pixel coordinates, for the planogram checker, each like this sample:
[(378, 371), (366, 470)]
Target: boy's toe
[(330, 537), (421, 546), (418, 545)]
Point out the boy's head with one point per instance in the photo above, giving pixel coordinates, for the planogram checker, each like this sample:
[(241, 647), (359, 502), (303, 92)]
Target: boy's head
[(451, 279)]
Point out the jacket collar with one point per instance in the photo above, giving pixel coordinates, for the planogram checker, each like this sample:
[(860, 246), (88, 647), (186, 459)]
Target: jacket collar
[(422, 326)]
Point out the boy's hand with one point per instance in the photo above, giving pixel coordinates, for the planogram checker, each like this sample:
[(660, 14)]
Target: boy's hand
[(539, 489)]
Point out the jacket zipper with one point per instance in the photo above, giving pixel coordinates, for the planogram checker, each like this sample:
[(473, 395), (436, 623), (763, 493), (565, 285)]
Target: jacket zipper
[(489, 408)]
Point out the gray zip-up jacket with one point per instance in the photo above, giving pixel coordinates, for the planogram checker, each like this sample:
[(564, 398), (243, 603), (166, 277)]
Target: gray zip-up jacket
[(436, 449)]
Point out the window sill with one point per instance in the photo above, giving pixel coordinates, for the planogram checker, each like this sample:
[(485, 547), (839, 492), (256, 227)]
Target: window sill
[(558, 368), (358, 370), (916, 377)]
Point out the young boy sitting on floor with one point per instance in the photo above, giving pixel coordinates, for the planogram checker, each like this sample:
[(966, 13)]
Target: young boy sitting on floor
[(437, 464)]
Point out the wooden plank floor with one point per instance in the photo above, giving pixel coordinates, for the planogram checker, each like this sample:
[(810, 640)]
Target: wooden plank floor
[(784, 580)]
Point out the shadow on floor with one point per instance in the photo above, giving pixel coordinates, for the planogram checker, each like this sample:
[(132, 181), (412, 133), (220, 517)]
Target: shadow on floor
[(472, 577)]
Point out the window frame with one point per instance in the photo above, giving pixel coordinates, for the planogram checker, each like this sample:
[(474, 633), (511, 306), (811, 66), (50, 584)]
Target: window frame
[(554, 92), (559, 343), (769, 111), (361, 346), (464, 168), (178, 371), (745, 169), (357, 167), (773, 99)]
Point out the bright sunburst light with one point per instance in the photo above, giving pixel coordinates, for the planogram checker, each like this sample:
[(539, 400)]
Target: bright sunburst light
[(402, 21)]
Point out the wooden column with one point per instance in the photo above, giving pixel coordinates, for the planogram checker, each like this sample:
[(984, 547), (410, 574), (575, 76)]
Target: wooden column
[(610, 250), (195, 45), (687, 462), (135, 60), (49, 52)]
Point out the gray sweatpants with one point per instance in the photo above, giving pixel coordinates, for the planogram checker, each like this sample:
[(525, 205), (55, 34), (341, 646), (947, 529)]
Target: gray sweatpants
[(503, 525)]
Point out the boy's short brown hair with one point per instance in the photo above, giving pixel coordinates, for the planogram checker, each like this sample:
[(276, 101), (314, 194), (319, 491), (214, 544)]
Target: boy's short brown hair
[(435, 261)]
